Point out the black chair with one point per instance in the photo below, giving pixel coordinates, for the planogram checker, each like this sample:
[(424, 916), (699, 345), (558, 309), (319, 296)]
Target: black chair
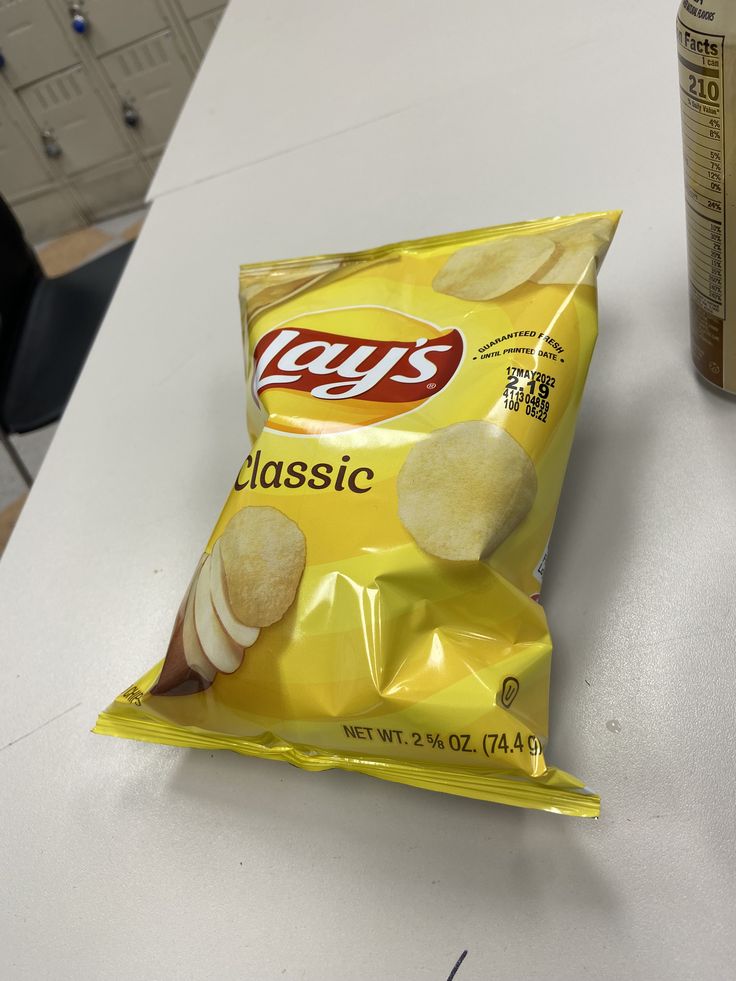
[(47, 327)]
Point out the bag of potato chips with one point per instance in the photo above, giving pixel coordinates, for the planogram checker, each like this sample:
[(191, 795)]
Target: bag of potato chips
[(369, 598)]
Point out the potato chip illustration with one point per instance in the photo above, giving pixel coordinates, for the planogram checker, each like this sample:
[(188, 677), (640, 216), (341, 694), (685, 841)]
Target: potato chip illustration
[(571, 264), (263, 555), (580, 232), (484, 272), (464, 489), (576, 246)]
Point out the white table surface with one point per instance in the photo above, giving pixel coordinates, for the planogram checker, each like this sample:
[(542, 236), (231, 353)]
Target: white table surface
[(282, 74), (126, 860)]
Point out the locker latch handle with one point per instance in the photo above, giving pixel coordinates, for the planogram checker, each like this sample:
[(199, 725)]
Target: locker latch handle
[(131, 116), (80, 21), (51, 146)]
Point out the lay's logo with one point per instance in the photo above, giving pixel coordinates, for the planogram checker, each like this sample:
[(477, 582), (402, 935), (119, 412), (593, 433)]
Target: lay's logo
[(326, 371), (336, 366)]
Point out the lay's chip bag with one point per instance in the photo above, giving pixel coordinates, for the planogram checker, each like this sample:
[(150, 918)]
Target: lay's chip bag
[(369, 598)]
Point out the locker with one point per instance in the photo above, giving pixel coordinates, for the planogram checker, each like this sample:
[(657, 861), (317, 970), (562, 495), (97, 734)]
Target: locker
[(67, 107), (115, 23), (151, 77), (153, 160), (20, 168), (111, 189), (47, 215), (193, 8), (204, 27), (32, 41), (88, 115)]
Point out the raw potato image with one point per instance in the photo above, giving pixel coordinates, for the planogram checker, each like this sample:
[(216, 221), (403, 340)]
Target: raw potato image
[(263, 555), (484, 272), (248, 582), (195, 656), (185, 670), (240, 633), (221, 650), (464, 489)]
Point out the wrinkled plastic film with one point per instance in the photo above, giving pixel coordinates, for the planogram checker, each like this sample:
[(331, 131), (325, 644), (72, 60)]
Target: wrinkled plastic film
[(370, 596)]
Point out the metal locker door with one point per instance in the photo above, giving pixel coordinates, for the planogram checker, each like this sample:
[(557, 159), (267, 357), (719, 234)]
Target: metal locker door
[(110, 189), (20, 169), (193, 8), (46, 215), (114, 23), (205, 26), (67, 109), (152, 81), (32, 41)]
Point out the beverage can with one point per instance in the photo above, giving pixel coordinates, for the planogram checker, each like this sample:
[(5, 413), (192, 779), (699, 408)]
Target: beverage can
[(706, 60)]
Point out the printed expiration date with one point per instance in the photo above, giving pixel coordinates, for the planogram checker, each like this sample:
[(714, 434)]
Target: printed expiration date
[(530, 390)]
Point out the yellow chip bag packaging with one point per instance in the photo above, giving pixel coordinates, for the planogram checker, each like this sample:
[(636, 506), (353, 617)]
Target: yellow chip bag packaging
[(370, 596)]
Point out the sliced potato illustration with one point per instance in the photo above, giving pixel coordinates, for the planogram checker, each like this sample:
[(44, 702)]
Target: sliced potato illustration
[(195, 656), (220, 649), (239, 632), (185, 670)]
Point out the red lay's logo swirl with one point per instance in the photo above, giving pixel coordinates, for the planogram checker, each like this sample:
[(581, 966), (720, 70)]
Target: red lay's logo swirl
[(393, 375)]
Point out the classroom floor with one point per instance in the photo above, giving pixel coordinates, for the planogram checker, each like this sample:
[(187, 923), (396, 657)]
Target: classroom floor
[(57, 257)]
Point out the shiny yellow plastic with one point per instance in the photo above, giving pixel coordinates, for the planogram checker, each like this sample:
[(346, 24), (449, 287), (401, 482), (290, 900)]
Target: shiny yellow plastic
[(392, 662)]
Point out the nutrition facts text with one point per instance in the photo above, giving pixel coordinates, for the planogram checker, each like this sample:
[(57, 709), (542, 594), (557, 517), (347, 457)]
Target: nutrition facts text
[(700, 58)]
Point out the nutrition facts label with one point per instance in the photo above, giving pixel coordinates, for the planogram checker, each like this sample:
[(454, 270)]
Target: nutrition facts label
[(700, 58)]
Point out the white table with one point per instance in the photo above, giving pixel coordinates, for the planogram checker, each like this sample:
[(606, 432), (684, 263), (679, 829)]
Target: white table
[(125, 860), (281, 75)]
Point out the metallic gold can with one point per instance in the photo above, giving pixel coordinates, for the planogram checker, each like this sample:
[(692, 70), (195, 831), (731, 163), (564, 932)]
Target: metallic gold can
[(706, 56)]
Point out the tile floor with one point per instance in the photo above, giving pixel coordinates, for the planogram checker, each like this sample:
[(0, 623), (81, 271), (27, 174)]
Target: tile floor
[(56, 257), (32, 448), (61, 254)]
